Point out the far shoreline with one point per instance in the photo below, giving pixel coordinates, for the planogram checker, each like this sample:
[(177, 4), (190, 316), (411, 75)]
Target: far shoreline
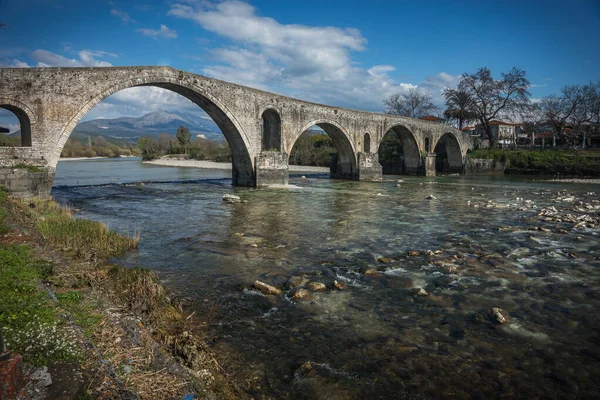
[(203, 164), (92, 158)]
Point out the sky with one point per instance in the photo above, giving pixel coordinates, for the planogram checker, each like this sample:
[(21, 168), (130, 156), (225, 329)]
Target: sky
[(348, 53)]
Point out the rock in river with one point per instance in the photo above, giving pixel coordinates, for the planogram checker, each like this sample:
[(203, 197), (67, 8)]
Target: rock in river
[(340, 285), (316, 286), (296, 281), (300, 293), (265, 288), (499, 315), (231, 198)]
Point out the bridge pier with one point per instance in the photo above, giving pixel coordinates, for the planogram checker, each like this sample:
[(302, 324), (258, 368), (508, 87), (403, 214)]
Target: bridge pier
[(369, 168), (430, 164), (24, 181), (272, 168)]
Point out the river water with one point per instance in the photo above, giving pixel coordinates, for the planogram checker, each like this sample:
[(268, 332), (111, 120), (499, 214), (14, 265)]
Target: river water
[(481, 245)]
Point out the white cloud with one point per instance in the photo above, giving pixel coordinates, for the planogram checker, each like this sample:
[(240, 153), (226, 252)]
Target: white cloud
[(122, 15), (163, 32), (313, 63), (13, 64), (435, 85), (87, 58), (138, 101)]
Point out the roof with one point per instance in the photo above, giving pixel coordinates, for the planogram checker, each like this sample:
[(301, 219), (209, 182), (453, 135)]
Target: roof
[(431, 118), (468, 128), (4, 130), (503, 123)]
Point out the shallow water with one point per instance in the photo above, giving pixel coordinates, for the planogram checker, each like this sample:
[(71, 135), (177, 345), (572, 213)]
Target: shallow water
[(377, 339)]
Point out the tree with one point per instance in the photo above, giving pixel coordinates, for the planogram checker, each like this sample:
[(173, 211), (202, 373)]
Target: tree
[(459, 106), (414, 104), (495, 98), (149, 148), (184, 137), (164, 142)]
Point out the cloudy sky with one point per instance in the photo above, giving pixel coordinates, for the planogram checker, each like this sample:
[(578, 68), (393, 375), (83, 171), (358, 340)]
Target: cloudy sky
[(349, 53)]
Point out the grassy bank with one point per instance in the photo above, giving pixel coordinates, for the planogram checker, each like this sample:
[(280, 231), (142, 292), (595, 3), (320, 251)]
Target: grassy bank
[(60, 300), (551, 162)]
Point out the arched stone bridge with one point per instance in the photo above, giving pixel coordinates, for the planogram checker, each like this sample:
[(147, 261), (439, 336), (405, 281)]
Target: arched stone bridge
[(261, 127)]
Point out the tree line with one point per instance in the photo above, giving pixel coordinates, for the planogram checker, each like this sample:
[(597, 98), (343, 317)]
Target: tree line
[(572, 115), (97, 147), (182, 143)]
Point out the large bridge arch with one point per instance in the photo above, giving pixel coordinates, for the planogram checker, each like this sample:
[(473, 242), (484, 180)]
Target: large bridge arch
[(402, 154), (345, 165), (449, 153), (243, 165)]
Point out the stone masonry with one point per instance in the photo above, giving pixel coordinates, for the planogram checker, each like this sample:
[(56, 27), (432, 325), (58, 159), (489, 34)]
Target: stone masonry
[(49, 103)]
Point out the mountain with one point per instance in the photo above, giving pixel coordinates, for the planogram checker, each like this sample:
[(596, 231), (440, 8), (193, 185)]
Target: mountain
[(130, 128)]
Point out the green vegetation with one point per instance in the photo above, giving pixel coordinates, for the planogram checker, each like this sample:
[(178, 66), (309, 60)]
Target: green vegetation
[(10, 141), (81, 238), (182, 144), (547, 161), (31, 323), (313, 149), (97, 147), (30, 168)]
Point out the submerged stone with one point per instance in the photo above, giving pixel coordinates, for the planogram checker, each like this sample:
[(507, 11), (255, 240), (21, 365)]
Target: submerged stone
[(300, 294), (296, 281), (265, 288), (340, 285), (316, 286)]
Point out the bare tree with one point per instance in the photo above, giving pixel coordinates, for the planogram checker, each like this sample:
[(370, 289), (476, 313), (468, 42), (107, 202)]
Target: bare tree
[(495, 98), (559, 110), (459, 106), (414, 104)]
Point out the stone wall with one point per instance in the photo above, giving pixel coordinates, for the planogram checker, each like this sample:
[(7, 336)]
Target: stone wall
[(23, 183), (474, 166)]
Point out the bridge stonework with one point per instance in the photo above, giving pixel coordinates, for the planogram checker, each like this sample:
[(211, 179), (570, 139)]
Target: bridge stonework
[(50, 102)]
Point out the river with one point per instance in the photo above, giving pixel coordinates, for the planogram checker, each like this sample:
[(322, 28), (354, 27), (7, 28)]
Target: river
[(480, 244)]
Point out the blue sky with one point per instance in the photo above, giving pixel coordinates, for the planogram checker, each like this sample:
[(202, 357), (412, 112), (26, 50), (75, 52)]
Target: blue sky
[(347, 53)]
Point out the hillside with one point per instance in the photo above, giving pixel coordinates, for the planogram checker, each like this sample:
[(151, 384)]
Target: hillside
[(131, 128)]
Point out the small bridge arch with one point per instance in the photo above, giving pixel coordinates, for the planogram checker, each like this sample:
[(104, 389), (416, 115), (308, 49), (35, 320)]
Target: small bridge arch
[(344, 165), (449, 154)]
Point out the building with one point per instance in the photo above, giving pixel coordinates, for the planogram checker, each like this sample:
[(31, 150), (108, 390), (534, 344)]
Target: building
[(508, 134)]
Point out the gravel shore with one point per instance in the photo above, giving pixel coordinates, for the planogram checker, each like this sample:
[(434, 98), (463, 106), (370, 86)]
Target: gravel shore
[(577, 180), (225, 166)]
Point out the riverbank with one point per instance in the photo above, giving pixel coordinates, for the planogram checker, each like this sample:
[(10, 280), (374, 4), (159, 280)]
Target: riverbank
[(538, 162), (88, 327), (91, 158), (172, 162)]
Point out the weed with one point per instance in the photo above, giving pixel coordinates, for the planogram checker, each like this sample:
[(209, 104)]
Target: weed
[(30, 168)]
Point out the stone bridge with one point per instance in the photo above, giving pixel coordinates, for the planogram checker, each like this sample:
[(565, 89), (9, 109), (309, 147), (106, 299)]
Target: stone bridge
[(261, 127)]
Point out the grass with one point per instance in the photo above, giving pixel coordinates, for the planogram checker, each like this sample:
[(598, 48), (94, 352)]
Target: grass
[(43, 331), (4, 229), (550, 161), (83, 312), (81, 238), (30, 168), (30, 321)]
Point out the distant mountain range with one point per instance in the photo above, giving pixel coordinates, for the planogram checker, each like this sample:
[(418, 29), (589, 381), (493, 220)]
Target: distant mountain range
[(131, 129)]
